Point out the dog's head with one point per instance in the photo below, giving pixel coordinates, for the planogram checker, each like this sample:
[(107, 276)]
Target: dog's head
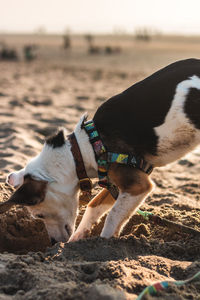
[(48, 186)]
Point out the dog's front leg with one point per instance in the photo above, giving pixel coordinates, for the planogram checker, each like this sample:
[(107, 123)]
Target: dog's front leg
[(96, 208), (120, 213), (134, 186)]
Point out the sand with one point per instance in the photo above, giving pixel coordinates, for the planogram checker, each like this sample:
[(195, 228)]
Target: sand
[(37, 97)]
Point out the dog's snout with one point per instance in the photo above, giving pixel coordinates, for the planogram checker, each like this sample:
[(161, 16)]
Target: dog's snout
[(53, 241), (10, 179), (15, 178)]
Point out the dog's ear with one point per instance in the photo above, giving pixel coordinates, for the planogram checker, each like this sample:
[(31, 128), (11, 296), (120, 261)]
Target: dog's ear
[(31, 192)]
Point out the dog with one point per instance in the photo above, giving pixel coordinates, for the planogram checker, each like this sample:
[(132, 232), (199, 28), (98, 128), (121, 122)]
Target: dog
[(157, 119)]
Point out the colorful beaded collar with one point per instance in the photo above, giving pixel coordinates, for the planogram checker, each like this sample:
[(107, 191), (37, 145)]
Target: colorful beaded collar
[(104, 157)]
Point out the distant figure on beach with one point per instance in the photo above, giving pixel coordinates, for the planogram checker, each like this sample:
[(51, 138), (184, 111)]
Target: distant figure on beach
[(66, 41), (7, 53), (29, 52), (92, 49)]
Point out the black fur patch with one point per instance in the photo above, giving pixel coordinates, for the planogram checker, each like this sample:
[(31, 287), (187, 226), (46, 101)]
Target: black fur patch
[(31, 192), (56, 140), (126, 121), (192, 107)]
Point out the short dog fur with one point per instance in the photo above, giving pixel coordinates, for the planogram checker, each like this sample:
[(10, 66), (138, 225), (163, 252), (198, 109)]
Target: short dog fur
[(157, 118)]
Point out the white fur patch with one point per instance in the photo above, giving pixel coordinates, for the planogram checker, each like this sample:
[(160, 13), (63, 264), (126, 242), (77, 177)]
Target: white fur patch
[(177, 135)]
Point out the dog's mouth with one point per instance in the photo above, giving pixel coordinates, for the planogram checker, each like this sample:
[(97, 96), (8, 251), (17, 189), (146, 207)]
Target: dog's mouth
[(68, 230)]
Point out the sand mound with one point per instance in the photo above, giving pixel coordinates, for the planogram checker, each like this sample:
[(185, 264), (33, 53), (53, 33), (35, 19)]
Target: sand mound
[(96, 268), (20, 232)]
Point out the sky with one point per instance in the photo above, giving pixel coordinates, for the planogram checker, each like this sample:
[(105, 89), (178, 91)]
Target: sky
[(100, 16)]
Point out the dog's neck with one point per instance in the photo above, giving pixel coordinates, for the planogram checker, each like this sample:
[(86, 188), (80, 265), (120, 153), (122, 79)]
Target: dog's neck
[(86, 151)]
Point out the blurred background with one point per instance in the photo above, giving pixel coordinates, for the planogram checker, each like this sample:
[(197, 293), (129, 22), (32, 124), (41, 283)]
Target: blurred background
[(131, 35)]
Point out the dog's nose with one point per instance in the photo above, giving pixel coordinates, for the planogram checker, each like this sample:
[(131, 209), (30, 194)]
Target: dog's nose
[(10, 179), (53, 241), (15, 178)]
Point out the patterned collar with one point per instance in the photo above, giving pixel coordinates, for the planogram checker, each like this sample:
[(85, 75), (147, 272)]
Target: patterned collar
[(104, 157)]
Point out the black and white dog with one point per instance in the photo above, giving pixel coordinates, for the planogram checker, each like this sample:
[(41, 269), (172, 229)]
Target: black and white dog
[(157, 118)]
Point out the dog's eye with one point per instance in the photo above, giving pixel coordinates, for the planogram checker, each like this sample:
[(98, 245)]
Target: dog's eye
[(40, 216)]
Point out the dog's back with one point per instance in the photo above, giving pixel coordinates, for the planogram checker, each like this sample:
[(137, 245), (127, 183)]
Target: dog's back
[(156, 117)]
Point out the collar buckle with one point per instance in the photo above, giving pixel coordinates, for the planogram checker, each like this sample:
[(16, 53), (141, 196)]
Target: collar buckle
[(85, 184)]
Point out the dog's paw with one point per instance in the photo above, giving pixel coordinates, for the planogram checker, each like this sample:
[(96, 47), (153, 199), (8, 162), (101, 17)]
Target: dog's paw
[(79, 235)]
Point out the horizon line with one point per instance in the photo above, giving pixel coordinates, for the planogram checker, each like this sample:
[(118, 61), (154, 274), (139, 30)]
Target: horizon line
[(92, 32)]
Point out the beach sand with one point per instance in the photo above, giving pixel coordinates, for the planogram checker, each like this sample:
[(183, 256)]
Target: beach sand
[(35, 99)]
